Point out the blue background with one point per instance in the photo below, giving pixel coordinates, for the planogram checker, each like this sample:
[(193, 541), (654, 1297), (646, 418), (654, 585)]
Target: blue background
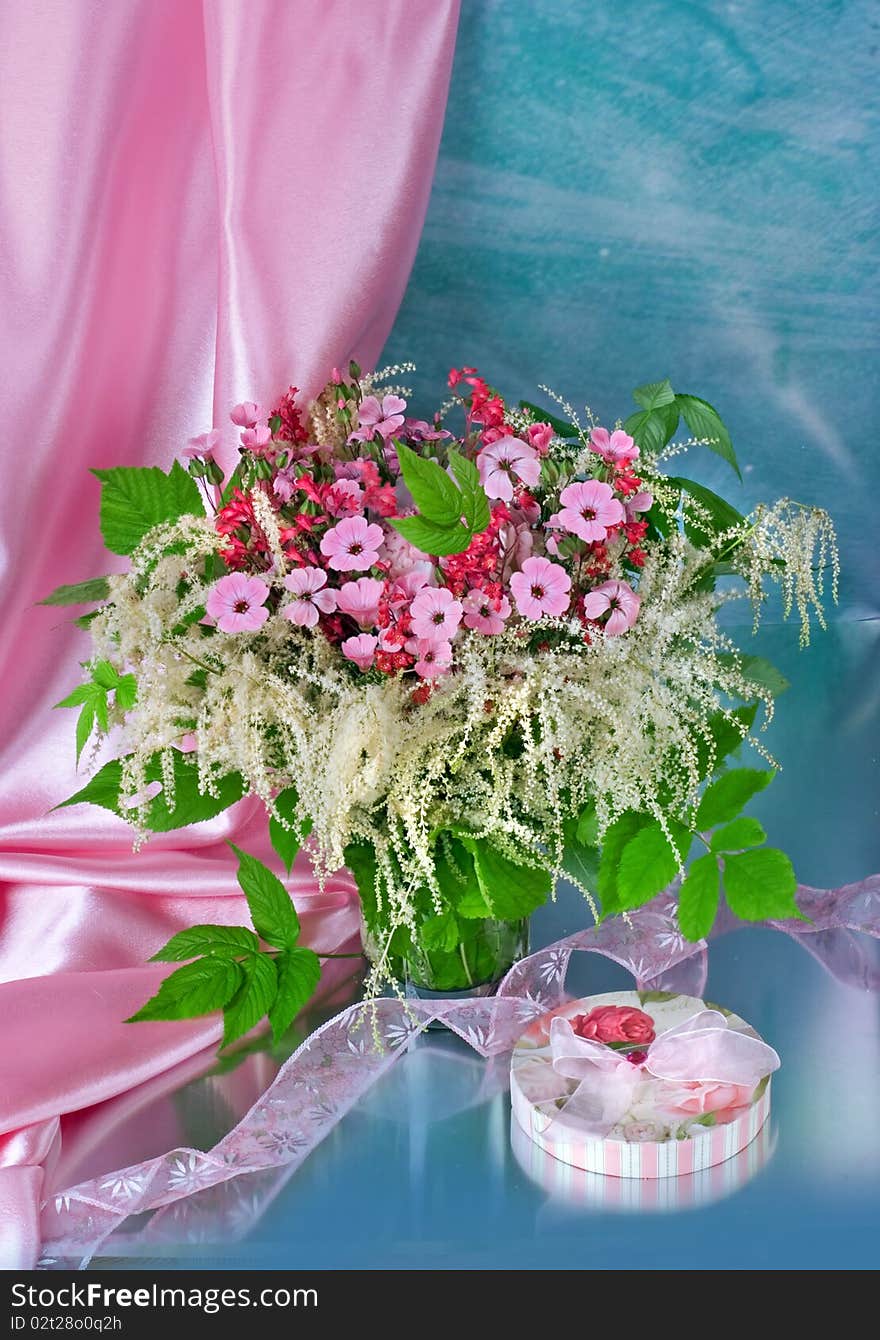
[(627, 191), (633, 189)]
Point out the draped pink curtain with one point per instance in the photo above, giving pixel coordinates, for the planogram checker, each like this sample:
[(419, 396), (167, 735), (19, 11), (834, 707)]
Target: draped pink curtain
[(200, 201)]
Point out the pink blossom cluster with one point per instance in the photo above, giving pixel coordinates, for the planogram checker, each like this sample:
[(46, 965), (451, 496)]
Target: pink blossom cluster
[(551, 550)]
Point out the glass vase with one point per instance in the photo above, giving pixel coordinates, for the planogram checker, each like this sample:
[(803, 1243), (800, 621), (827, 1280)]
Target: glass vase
[(473, 968)]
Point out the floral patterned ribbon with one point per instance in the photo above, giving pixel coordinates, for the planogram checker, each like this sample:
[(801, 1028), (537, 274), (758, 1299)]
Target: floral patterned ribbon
[(222, 1191)]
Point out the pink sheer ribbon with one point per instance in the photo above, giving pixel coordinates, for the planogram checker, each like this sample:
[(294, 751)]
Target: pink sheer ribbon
[(192, 1192), (702, 1050)]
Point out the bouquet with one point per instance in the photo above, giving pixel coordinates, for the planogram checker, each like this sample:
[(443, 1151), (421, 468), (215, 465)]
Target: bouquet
[(464, 657)]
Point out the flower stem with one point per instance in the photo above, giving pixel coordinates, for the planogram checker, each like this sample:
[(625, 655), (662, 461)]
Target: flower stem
[(467, 972)]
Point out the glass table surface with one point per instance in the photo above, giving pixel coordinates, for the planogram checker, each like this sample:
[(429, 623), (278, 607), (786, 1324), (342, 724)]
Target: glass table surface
[(426, 1172)]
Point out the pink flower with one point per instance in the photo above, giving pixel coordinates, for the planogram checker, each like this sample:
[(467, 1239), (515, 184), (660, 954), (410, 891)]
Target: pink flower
[(352, 545), (361, 649), (204, 445), (360, 600), (434, 657), (615, 1023), (540, 436), (401, 557), (417, 430), (484, 614), (344, 498), (616, 448), (255, 439), (620, 599), (638, 502), (374, 418), (503, 460), (435, 614), (284, 484), (247, 414), (307, 587), (540, 588), (238, 603), (695, 1098), (589, 509), (410, 583)]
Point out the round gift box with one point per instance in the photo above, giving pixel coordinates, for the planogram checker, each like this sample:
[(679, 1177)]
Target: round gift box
[(651, 1139)]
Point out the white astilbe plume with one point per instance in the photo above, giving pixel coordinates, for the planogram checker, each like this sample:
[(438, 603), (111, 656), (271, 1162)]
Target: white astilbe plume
[(508, 746)]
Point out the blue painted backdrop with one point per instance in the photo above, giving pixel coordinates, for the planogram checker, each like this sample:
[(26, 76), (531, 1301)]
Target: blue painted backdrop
[(631, 189)]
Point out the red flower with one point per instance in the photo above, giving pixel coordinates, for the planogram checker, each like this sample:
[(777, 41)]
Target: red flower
[(289, 413), (615, 1023), (245, 543), (626, 482), (381, 498), (391, 662)]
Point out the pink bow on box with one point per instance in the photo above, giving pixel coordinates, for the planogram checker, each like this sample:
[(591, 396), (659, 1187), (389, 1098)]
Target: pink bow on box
[(703, 1064)]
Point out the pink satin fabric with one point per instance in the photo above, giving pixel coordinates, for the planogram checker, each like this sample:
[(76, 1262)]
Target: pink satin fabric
[(199, 202)]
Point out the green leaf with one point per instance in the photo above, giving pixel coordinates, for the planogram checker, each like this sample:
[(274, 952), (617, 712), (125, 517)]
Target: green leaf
[(190, 806), (253, 999), (100, 705), (507, 890), (724, 732), (761, 884), (654, 394), (698, 898), (587, 831), (126, 692), (617, 835), (440, 932), (756, 670), (83, 693), (85, 722), (433, 492), (233, 482), (102, 789), (474, 503), (560, 427), (722, 517), (287, 841), (724, 798), (654, 997), (80, 593), (761, 1086), (223, 941), (742, 832), (360, 858), (648, 864), (705, 421), (195, 989), (105, 675), (134, 499), (299, 971), (271, 906), (433, 540), (651, 429), (580, 859)]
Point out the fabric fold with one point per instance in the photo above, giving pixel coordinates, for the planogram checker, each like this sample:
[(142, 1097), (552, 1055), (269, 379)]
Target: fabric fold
[(199, 201)]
